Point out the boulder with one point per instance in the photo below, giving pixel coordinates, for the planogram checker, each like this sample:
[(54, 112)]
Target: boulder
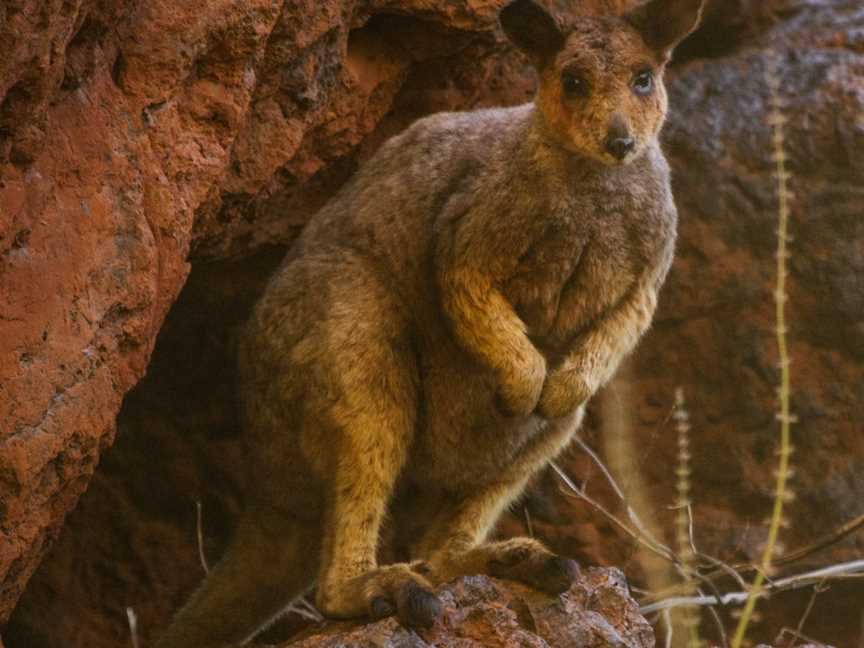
[(483, 612)]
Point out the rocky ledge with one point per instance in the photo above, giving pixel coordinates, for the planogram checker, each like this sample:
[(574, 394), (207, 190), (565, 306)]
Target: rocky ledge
[(479, 611)]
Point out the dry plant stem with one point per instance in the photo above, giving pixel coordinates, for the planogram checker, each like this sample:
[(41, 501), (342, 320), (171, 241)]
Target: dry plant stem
[(631, 514), (721, 629), (683, 517), (692, 541), (660, 550), (667, 621), (835, 536), (715, 616), (622, 452), (777, 120), (303, 608), (796, 634), (721, 567), (133, 626), (199, 527), (640, 534), (575, 491), (853, 569), (304, 613), (597, 462), (734, 571), (688, 618), (726, 568)]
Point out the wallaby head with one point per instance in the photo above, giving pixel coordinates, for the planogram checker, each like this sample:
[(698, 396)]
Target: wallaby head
[(601, 92)]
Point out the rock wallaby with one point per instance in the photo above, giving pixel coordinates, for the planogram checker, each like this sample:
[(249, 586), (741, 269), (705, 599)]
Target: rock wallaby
[(431, 338)]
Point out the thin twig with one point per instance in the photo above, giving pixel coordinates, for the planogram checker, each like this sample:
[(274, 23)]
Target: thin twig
[(302, 612), (575, 491), (652, 438), (200, 530), (721, 629), (690, 529), (735, 571), (631, 514), (132, 618), (796, 634), (667, 621), (853, 569), (665, 552), (724, 568), (678, 601), (593, 455), (528, 524), (302, 607), (825, 541)]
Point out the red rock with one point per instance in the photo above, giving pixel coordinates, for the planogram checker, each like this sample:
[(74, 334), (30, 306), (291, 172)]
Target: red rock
[(98, 199), (483, 612), (129, 138)]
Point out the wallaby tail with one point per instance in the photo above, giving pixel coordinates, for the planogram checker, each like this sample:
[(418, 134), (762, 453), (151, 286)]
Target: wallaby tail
[(271, 560)]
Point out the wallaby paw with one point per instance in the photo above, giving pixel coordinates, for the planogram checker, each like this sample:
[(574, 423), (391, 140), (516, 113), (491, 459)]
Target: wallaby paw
[(563, 392), (520, 387), (417, 607), (422, 567), (537, 567), (397, 589), (380, 608)]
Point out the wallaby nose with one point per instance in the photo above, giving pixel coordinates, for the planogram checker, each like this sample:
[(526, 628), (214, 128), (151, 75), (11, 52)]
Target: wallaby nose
[(619, 147)]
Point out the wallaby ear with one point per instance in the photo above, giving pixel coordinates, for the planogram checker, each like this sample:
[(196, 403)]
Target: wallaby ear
[(532, 29), (665, 23)]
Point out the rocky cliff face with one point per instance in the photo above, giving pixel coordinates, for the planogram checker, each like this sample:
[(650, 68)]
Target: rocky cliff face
[(131, 133), (138, 140)]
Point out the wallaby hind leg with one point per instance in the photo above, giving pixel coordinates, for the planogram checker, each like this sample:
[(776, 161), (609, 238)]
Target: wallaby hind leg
[(455, 543), (375, 418), (271, 560), (350, 583)]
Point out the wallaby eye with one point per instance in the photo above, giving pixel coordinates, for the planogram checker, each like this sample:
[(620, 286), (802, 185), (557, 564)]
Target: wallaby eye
[(574, 84), (643, 83)]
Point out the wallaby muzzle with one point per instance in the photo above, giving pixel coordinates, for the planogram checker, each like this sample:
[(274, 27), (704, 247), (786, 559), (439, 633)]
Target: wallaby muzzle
[(619, 142)]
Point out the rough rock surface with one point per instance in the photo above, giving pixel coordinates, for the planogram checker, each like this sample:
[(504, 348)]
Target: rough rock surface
[(128, 130), (483, 612), (137, 136)]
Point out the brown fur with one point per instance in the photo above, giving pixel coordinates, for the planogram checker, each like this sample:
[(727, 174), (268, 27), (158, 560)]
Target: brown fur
[(608, 52), (432, 337)]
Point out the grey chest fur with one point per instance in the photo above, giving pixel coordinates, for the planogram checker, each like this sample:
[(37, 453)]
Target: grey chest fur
[(590, 254)]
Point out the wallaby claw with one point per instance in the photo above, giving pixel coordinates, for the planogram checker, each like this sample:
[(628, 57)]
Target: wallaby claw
[(417, 607)]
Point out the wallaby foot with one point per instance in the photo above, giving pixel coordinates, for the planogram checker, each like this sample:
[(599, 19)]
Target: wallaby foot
[(527, 561), (384, 591), (521, 559)]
